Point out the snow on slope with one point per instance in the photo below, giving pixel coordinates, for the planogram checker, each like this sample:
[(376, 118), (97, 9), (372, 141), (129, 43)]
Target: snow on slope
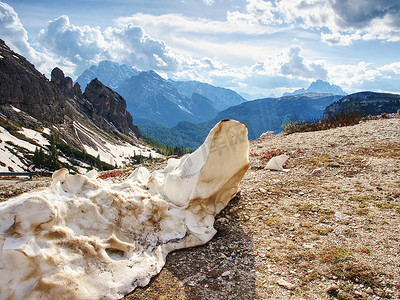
[(9, 157), (112, 153), (115, 154)]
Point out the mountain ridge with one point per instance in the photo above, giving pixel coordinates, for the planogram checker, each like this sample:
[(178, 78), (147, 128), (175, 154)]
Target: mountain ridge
[(319, 86)]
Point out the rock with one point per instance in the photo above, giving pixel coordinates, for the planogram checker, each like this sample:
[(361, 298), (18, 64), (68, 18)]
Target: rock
[(333, 290), (85, 238), (334, 164), (24, 87), (369, 290), (282, 282), (318, 171), (111, 106), (341, 216), (276, 163), (226, 274)]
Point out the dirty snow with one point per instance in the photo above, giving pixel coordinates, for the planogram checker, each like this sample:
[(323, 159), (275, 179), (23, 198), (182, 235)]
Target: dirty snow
[(85, 238)]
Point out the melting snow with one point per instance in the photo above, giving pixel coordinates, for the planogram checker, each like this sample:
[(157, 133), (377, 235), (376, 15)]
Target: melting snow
[(112, 153), (85, 238)]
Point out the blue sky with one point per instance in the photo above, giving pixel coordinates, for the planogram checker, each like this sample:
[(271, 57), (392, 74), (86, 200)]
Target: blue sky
[(252, 46)]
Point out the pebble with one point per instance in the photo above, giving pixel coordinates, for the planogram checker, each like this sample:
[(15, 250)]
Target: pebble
[(226, 274), (334, 164), (282, 282)]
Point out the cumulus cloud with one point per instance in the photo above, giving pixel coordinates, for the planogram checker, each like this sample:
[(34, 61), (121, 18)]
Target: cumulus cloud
[(366, 77), (78, 44), (16, 37), (129, 44), (345, 20), (296, 66)]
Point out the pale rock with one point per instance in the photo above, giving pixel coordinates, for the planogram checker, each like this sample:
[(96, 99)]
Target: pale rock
[(226, 274), (85, 238), (282, 282), (276, 163)]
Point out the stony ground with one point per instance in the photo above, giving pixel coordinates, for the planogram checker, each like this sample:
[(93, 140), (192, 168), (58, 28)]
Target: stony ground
[(327, 228)]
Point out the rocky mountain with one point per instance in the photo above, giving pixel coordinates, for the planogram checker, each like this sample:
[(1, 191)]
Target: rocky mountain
[(221, 98), (149, 103), (111, 106), (109, 73), (152, 99), (25, 88), (260, 115), (366, 103), (75, 130), (320, 87)]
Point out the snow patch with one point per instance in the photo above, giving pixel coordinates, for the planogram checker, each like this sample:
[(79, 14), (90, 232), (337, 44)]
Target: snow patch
[(112, 153), (16, 109), (85, 238)]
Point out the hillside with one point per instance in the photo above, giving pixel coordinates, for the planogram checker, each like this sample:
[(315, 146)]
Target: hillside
[(365, 103), (328, 226)]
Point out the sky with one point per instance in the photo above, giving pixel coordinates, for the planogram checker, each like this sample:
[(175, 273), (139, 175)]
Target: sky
[(255, 47)]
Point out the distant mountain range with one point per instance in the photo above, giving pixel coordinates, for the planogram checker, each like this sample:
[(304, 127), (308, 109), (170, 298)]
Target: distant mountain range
[(259, 115), (109, 73), (320, 87), (220, 97), (54, 122), (152, 100)]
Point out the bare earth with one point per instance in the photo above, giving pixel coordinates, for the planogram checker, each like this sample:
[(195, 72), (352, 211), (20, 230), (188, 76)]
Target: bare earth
[(328, 228)]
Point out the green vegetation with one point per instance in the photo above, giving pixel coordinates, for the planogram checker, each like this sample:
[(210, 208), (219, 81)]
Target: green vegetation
[(164, 149), (51, 161), (185, 134)]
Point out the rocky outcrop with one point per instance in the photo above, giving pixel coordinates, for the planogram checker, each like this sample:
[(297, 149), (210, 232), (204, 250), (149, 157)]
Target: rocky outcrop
[(65, 84), (111, 106), (366, 103), (25, 88)]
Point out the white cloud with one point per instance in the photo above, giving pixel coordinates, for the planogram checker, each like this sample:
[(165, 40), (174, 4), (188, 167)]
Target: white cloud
[(366, 76), (208, 2), (16, 37), (345, 20), (78, 44)]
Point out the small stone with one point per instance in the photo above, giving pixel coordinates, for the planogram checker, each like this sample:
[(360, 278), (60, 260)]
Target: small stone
[(369, 290), (226, 274), (318, 171), (282, 282), (262, 190), (333, 290), (301, 193), (334, 164)]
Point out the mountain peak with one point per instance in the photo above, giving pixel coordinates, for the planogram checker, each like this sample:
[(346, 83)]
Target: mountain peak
[(319, 86)]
